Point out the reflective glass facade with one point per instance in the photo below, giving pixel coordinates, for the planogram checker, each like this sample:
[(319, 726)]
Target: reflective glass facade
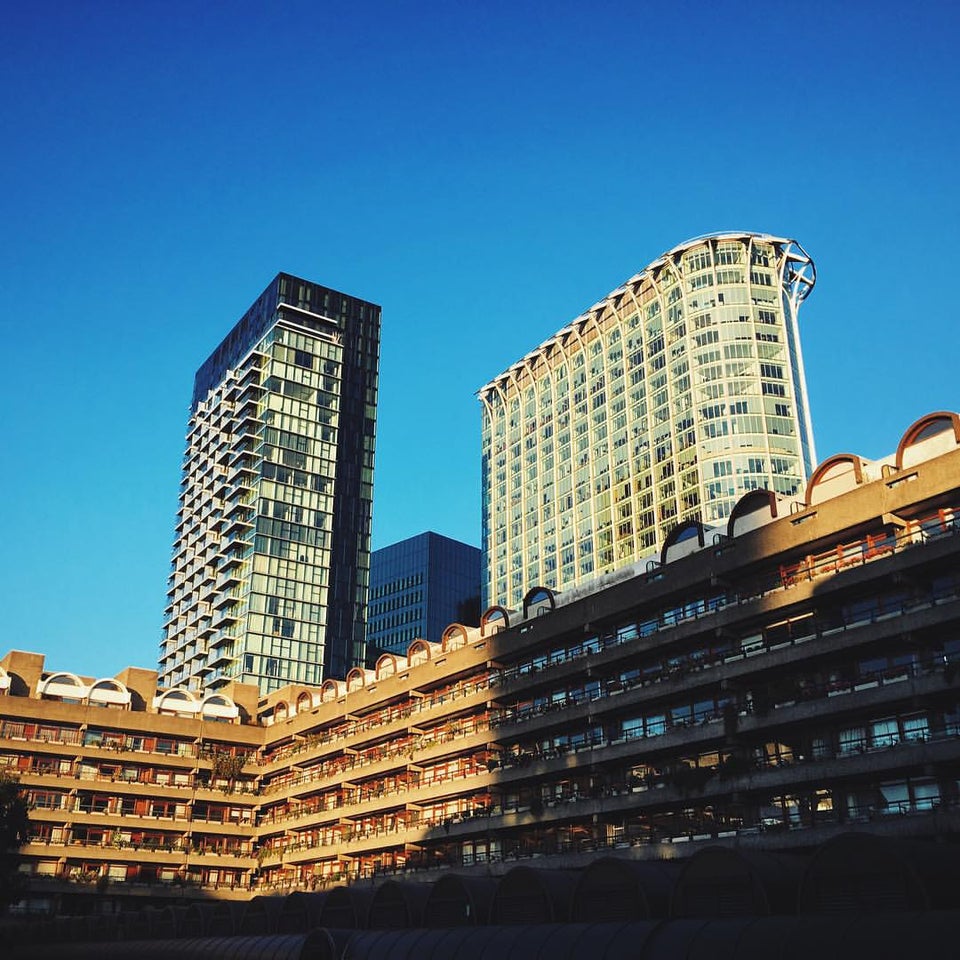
[(666, 401), (418, 587), (271, 561)]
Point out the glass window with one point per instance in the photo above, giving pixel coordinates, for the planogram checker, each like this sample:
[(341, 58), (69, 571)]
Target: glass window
[(884, 733), (852, 740), (656, 725), (926, 794), (916, 728), (896, 796)]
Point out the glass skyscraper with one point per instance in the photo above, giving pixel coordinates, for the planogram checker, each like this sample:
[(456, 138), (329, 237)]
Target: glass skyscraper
[(666, 401), (418, 587), (270, 569)]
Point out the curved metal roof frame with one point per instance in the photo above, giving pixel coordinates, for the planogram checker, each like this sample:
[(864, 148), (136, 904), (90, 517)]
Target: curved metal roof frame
[(261, 915), (473, 894), (682, 532), (880, 873), (824, 469), (346, 907), (372, 944), (452, 631), (301, 911), (495, 615), (885, 934), (222, 919), (733, 882), (408, 898), (110, 683), (620, 941), (523, 889), (386, 658), (323, 944), (103, 926), (642, 887), (177, 699), (173, 918), (535, 596)]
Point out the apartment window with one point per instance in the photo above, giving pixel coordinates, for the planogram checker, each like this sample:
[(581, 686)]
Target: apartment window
[(885, 733), (916, 728), (852, 740)]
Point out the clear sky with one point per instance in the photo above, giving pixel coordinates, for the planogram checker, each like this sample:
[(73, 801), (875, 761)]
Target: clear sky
[(483, 171)]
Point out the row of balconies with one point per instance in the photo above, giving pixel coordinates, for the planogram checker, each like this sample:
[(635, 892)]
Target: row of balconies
[(416, 790), (681, 740), (897, 622), (531, 718), (398, 753), (180, 756), (675, 739), (872, 694), (130, 745), (658, 798), (123, 851), (455, 698), (69, 806), (742, 664), (409, 861), (734, 656), (77, 878), (361, 758), (659, 790), (172, 788), (701, 619)]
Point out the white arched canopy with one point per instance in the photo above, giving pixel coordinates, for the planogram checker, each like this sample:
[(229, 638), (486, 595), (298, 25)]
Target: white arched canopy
[(109, 692), (177, 700), (63, 686), (216, 706)]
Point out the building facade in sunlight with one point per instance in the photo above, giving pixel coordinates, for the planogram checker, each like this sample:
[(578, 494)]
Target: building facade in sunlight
[(678, 392), (792, 680), (272, 554)]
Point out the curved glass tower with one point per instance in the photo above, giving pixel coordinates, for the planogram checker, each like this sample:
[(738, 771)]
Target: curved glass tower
[(666, 401)]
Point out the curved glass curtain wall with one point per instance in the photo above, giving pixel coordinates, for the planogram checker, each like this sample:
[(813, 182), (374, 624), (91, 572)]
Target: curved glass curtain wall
[(667, 401)]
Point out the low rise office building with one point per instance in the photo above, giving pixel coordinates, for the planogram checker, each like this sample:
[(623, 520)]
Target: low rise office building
[(418, 587)]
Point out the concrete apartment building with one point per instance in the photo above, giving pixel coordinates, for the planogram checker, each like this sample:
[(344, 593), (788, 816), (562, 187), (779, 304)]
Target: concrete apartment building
[(764, 684)]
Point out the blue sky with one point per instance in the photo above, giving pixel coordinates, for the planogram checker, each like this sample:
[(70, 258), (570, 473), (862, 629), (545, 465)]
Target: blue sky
[(485, 172)]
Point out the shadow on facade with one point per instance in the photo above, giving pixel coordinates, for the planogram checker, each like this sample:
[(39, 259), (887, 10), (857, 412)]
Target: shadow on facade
[(857, 895)]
